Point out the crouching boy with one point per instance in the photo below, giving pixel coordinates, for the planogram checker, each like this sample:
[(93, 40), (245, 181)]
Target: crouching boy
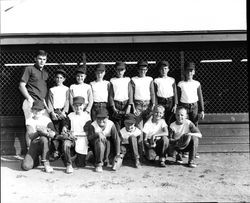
[(74, 135), (40, 130), (132, 139), (104, 139), (155, 132), (184, 136)]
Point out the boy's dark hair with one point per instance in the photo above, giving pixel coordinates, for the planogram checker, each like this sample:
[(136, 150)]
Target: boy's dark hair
[(162, 64), (180, 107), (41, 53)]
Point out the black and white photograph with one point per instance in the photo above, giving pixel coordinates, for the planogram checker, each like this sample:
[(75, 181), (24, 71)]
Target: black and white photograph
[(114, 101)]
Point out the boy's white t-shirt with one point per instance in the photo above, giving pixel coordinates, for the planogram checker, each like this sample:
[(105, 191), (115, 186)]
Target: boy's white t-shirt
[(77, 123), (106, 131), (151, 128), (142, 87), (59, 96), (125, 134), (182, 129), (164, 87), (100, 91), (80, 90), (120, 87), (189, 91), (41, 121)]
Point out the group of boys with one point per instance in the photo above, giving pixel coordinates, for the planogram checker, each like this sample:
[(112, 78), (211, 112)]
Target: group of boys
[(110, 118)]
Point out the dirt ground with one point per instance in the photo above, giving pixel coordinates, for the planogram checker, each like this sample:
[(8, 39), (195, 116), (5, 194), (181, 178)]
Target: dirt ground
[(220, 177)]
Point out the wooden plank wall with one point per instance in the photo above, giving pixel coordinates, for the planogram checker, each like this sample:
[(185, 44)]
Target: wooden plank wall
[(221, 133)]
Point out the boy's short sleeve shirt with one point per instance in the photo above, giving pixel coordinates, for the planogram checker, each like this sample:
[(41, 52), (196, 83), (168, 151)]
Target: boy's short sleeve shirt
[(142, 87), (164, 87), (35, 80), (106, 131), (125, 134), (189, 91), (80, 90), (151, 128), (59, 96), (120, 87), (77, 122), (184, 128), (42, 121), (100, 91)]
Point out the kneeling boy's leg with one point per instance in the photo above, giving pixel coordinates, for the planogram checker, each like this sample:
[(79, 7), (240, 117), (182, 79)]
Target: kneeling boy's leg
[(99, 149), (67, 145), (133, 144), (161, 147), (32, 156)]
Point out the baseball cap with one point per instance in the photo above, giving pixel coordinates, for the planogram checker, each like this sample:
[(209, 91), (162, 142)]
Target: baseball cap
[(162, 64), (81, 69), (38, 105), (78, 100), (100, 67), (119, 65), (129, 118), (142, 64), (102, 113), (61, 71), (189, 66)]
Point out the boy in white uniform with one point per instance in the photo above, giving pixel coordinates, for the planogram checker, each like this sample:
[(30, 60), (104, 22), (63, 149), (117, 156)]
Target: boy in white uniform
[(184, 136), (74, 135), (100, 89), (131, 138), (58, 105), (121, 95), (40, 130), (155, 135), (144, 95), (104, 139), (81, 89), (190, 95), (165, 91)]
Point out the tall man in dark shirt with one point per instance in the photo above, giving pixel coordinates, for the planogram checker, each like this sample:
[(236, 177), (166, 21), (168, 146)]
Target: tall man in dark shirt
[(33, 85)]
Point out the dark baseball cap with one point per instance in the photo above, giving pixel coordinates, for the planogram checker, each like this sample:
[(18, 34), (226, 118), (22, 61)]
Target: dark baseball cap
[(189, 66), (119, 65), (61, 71), (81, 69), (142, 64), (38, 105), (102, 113), (78, 100), (129, 118), (162, 64), (100, 67)]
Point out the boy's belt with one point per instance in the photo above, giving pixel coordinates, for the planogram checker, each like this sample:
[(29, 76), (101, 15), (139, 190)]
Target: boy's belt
[(142, 102), (164, 100), (188, 104)]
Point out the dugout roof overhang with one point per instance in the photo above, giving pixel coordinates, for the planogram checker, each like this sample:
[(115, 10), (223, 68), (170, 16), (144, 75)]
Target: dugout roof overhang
[(118, 21)]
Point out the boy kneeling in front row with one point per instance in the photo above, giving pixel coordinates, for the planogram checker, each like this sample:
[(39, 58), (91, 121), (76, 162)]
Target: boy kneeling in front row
[(74, 136), (132, 139), (103, 138), (40, 130), (155, 132), (184, 137)]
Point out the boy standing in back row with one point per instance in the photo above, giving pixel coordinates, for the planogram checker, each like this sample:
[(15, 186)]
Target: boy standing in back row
[(121, 95), (143, 94), (165, 91)]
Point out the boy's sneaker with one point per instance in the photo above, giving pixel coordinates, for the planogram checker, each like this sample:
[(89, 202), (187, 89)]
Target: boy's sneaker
[(197, 156), (98, 169), (47, 167), (137, 163), (191, 164), (179, 159), (162, 162), (69, 169), (185, 155)]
